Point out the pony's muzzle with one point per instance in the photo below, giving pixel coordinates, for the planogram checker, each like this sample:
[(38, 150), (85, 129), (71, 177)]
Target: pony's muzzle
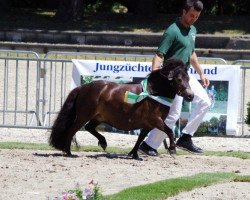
[(188, 95)]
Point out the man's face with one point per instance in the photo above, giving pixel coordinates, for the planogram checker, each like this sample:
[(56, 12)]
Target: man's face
[(189, 17)]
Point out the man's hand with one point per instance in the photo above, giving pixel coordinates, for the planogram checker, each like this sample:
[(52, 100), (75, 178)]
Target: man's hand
[(194, 62), (204, 80), (157, 62)]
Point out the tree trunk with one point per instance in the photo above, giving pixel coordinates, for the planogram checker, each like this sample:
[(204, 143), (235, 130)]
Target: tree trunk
[(220, 7), (70, 10)]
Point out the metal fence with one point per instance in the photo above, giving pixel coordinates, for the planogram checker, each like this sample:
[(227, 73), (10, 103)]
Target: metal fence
[(245, 65), (19, 88), (34, 88)]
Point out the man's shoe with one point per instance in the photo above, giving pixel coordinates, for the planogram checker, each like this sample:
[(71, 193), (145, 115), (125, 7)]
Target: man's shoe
[(148, 150), (185, 142)]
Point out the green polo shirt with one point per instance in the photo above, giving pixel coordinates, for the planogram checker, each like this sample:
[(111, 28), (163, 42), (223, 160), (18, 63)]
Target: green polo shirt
[(178, 42)]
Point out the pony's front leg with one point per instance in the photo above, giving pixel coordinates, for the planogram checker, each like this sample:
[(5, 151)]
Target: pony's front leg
[(134, 151), (172, 146)]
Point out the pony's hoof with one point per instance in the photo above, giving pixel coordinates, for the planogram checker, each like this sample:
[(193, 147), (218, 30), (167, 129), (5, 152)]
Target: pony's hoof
[(131, 153), (172, 152), (136, 157), (69, 154), (103, 145)]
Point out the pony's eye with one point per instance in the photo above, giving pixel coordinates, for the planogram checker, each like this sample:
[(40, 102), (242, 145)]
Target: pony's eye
[(179, 80)]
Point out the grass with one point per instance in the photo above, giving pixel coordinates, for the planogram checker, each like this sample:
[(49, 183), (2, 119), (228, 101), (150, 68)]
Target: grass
[(236, 154), (28, 18), (116, 150), (171, 187)]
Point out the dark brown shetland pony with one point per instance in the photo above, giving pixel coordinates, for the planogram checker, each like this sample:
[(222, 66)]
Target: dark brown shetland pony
[(103, 102)]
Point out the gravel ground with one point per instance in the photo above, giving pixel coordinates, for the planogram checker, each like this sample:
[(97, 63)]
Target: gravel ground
[(36, 174)]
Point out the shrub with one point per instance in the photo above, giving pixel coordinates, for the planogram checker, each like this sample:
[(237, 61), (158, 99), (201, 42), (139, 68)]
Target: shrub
[(248, 113)]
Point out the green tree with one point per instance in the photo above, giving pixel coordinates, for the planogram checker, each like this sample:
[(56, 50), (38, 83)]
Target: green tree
[(214, 122), (203, 129)]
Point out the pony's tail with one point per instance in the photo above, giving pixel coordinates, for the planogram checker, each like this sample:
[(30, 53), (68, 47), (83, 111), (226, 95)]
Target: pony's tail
[(64, 120)]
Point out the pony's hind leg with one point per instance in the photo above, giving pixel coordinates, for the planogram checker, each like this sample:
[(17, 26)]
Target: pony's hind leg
[(71, 132), (91, 127)]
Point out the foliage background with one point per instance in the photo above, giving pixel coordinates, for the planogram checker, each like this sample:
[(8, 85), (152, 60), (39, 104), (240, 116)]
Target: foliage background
[(229, 17), (75, 9), (212, 7)]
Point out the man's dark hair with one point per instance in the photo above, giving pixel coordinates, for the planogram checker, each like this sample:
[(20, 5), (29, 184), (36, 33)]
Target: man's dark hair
[(198, 5)]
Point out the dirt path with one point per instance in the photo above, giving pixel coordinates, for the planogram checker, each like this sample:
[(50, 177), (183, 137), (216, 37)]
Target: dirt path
[(33, 174), (36, 174)]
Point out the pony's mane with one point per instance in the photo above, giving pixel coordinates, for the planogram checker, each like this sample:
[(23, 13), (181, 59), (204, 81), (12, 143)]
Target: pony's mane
[(170, 64), (158, 79)]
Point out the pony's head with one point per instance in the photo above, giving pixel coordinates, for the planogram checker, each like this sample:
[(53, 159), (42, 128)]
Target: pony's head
[(175, 72)]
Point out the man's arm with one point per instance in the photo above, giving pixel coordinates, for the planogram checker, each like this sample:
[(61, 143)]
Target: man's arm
[(157, 61), (195, 63)]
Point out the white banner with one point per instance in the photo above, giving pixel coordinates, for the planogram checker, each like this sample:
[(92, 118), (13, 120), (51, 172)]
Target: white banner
[(108, 69), (223, 89), (224, 85)]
